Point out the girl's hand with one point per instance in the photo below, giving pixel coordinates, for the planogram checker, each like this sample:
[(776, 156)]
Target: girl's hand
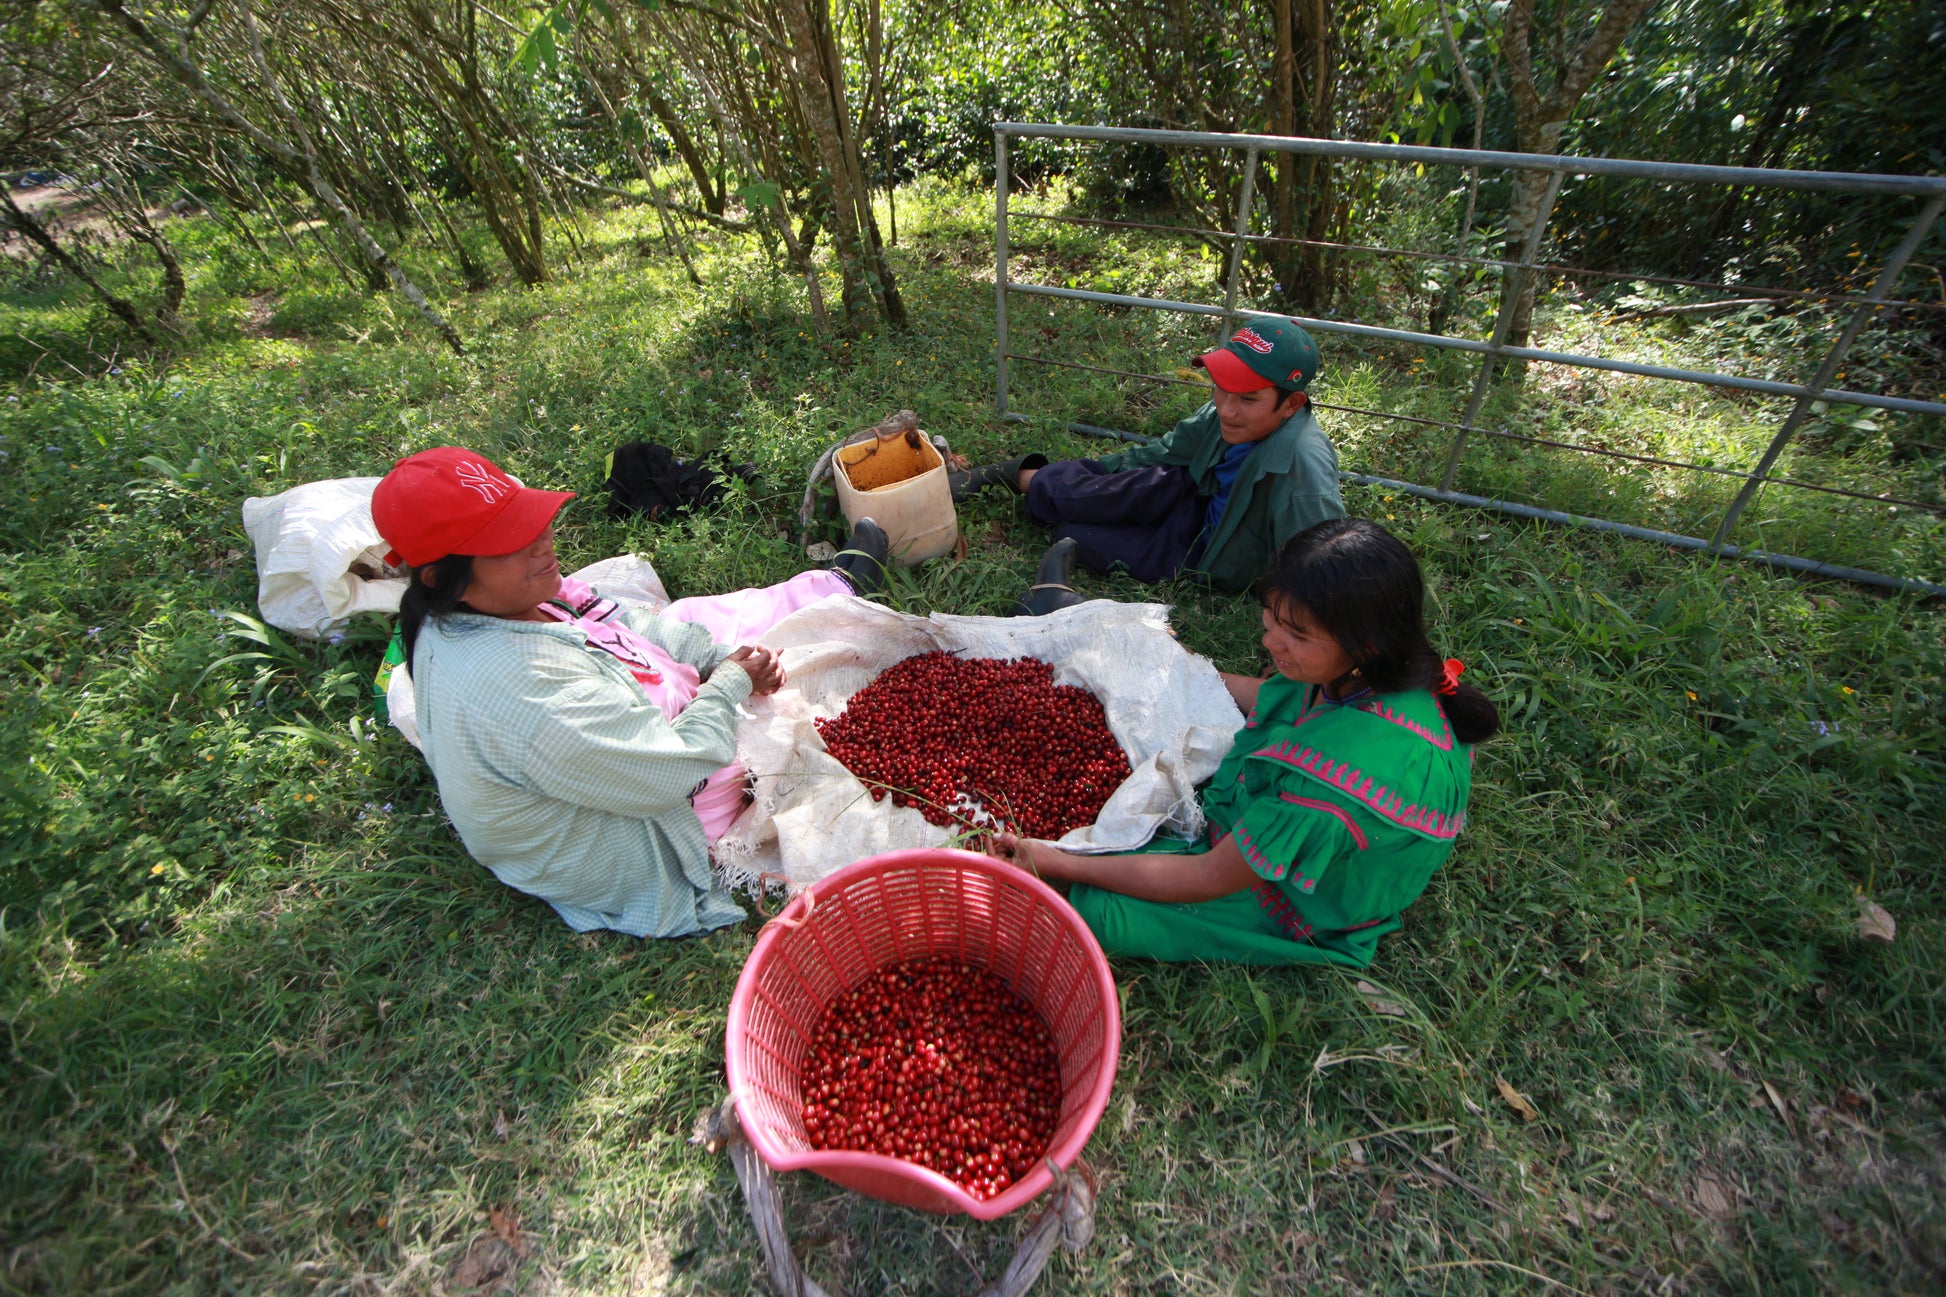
[(1012, 850), (764, 667)]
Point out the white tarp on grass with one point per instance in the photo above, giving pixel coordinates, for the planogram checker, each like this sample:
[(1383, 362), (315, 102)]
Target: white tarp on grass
[(1166, 706)]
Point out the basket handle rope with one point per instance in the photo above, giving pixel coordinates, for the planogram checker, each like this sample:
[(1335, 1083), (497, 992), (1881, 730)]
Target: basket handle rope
[(1067, 1220)]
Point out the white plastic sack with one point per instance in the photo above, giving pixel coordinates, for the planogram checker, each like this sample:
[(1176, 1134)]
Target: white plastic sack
[(625, 578), (320, 560), (1167, 707)]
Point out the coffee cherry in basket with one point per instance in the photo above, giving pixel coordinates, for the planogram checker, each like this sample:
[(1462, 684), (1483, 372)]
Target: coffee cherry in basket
[(980, 743), (940, 1064)]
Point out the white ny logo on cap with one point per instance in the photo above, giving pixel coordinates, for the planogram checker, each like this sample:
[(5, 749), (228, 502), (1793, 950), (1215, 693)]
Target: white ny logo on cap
[(481, 479)]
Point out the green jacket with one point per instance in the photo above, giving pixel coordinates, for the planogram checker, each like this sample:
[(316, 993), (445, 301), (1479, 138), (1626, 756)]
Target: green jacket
[(1289, 482)]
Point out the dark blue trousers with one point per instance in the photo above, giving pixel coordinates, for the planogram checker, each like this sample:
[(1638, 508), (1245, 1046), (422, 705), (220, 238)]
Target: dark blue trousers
[(1143, 521)]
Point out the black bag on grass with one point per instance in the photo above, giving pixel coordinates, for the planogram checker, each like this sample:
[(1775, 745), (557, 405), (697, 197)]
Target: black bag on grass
[(648, 479)]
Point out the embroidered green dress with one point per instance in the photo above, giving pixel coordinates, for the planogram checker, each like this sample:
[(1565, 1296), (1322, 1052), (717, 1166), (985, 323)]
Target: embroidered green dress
[(1344, 810)]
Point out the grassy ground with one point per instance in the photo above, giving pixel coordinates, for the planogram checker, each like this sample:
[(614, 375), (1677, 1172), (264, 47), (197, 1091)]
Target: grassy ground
[(269, 1030)]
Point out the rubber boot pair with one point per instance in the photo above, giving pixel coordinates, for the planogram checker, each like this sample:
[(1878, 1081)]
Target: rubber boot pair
[(862, 561), (981, 477), (1051, 590)]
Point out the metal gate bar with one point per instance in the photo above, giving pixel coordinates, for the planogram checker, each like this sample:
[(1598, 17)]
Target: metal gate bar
[(1788, 562), (1514, 276), (1894, 266), (1855, 182), (1706, 378), (1504, 434), (1421, 254)]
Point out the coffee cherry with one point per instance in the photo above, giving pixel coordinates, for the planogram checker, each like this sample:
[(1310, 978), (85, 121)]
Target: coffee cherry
[(980, 743), (940, 1064)]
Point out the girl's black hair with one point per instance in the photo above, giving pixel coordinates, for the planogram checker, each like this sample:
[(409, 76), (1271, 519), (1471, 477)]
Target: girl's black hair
[(431, 590), (1362, 587)]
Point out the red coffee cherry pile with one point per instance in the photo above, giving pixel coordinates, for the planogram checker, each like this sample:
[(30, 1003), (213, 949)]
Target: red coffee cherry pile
[(940, 1064), (980, 742)]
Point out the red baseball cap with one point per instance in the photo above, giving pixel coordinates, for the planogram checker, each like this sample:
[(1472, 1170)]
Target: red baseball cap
[(449, 500), (1269, 351)]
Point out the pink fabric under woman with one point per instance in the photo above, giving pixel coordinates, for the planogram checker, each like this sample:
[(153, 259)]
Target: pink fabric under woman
[(740, 617)]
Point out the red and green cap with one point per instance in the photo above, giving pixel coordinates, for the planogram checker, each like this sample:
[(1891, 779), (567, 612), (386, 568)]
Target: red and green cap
[(1269, 351), (450, 500)]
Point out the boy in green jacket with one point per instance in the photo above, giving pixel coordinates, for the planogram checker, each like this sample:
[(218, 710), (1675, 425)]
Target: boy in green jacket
[(1214, 499)]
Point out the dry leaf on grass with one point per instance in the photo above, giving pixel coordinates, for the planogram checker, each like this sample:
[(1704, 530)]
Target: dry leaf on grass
[(487, 1261), (1783, 1109), (1583, 1214), (1714, 1197), (506, 1228), (1875, 923), (1378, 1001), (1519, 1102)]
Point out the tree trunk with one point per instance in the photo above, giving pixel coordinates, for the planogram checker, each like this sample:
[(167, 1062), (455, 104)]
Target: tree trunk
[(37, 234), (1283, 121), (819, 103), (880, 271), (692, 157), (300, 161), (670, 235), (174, 287), (1448, 299), (1539, 123), (797, 250), (1303, 94)]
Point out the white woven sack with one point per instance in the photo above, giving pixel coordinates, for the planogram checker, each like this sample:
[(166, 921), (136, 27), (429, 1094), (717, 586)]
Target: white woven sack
[(320, 561), (1167, 707)]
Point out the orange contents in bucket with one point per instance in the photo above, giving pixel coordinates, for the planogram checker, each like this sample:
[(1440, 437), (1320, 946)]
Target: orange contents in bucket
[(887, 461), (938, 1063)]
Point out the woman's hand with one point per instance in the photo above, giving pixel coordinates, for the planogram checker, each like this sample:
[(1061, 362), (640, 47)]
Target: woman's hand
[(764, 667)]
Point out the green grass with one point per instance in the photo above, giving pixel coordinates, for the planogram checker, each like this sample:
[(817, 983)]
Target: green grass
[(267, 1028)]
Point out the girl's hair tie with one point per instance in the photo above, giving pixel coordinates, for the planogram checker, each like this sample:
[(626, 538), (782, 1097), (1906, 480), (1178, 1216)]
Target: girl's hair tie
[(1449, 676)]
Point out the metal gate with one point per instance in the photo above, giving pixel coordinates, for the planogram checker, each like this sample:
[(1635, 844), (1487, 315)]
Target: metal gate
[(1495, 348)]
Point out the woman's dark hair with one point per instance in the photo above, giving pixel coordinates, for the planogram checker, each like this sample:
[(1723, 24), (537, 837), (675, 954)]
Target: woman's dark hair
[(431, 590), (1362, 587)]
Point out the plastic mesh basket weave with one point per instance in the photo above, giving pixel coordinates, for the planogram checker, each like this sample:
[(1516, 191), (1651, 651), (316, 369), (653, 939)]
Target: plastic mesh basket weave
[(918, 904)]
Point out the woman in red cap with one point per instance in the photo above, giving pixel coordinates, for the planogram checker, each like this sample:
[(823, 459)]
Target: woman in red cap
[(584, 751)]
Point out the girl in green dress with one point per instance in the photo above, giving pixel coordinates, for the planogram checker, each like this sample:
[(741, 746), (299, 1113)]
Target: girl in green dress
[(1341, 796)]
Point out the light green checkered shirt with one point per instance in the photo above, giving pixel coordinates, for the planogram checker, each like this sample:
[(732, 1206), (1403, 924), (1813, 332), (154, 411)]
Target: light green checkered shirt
[(565, 781)]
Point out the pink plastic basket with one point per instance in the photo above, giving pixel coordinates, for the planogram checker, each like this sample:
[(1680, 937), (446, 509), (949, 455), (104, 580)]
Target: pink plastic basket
[(918, 904)]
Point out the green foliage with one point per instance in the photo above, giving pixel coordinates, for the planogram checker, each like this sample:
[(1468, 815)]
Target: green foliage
[(268, 1029), (1855, 87)]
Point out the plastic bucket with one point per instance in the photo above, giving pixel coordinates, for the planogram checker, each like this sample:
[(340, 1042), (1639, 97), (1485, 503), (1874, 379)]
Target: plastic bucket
[(927, 902), (900, 483)]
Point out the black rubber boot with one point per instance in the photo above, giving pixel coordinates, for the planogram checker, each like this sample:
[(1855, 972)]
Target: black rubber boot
[(1006, 473), (1051, 589), (862, 561)]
